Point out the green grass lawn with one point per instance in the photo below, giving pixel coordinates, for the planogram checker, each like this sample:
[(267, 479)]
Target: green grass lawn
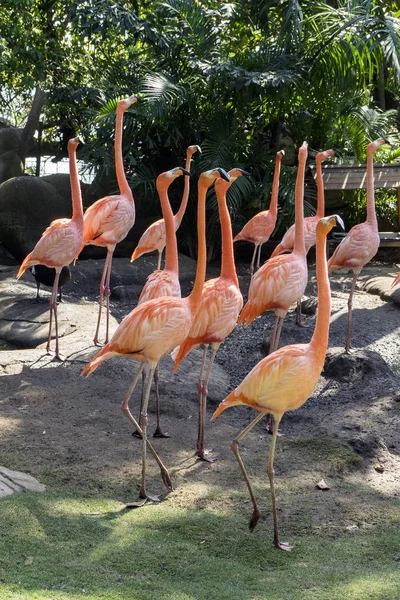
[(55, 546)]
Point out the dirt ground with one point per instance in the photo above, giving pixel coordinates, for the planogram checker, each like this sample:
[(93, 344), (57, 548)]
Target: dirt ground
[(69, 432)]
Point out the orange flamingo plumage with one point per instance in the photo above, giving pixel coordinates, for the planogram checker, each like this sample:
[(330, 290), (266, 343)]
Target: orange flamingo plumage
[(165, 282), (285, 379), (310, 223), (108, 221), (259, 229), (154, 328), (60, 242), (362, 241), (154, 237), (219, 308), (281, 280)]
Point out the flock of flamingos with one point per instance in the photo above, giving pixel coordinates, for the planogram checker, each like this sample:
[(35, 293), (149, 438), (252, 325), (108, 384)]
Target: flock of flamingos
[(164, 322)]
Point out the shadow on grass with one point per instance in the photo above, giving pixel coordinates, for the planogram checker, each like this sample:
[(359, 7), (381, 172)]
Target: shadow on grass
[(68, 547)]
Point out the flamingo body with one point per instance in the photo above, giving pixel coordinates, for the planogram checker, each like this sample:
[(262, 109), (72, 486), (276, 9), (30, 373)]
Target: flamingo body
[(358, 247), (160, 283), (275, 286), (108, 221), (287, 242)]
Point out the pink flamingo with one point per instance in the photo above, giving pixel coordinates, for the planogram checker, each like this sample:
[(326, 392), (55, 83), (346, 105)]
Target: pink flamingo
[(362, 242), (281, 280), (60, 242), (396, 280), (165, 282), (310, 223), (154, 328), (108, 220), (259, 229), (285, 379), (154, 237), (220, 305)]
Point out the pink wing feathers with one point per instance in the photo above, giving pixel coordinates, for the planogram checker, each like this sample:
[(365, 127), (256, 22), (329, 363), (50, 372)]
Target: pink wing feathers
[(356, 249), (108, 220)]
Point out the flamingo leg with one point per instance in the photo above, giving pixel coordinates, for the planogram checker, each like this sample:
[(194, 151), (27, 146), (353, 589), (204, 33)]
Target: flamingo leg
[(158, 432), (277, 334), (258, 257), (200, 384), (235, 449), (102, 289), (136, 432), (201, 451), (348, 347), (125, 409), (299, 316), (271, 473), (159, 259), (53, 309), (252, 260), (107, 293)]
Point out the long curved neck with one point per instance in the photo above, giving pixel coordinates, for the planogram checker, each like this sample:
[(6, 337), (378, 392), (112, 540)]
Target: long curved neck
[(320, 191), (321, 331), (171, 249), (228, 268), (77, 209), (371, 214), (195, 295), (185, 197), (299, 245), (273, 206), (124, 188)]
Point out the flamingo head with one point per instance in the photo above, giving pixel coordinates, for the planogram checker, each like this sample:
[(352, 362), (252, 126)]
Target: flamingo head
[(193, 149), (372, 146), (235, 173), (327, 223), (166, 178), (208, 177), (73, 143), (127, 102), (321, 156)]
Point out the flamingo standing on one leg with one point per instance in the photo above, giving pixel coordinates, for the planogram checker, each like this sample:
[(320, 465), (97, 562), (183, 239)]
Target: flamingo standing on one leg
[(259, 229), (285, 379), (362, 242), (60, 242), (220, 305), (154, 328), (154, 237), (281, 280), (165, 282), (108, 220)]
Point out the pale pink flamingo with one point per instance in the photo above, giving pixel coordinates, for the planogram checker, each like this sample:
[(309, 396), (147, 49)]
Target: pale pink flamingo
[(219, 308), (154, 237), (285, 379), (154, 328), (259, 229), (60, 242), (165, 282), (281, 280), (362, 241), (108, 220), (310, 223)]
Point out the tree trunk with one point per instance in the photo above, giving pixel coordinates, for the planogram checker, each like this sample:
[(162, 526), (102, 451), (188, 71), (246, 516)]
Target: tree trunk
[(32, 122)]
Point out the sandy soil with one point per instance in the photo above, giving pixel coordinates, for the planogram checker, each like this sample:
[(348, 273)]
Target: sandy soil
[(68, 430)]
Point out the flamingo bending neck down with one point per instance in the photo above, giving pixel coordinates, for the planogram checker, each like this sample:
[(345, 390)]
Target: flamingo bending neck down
[(285, 379), (217, 315), (362, 241), (165, 282), (154, 237), (281, 280), (60, 243), (154, 328), (108, 220), (260, 228)]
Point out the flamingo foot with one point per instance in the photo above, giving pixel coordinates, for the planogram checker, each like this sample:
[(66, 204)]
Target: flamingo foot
[(56, 356), (301, 323), (202, 454), (97, 343), (349, 350), (137, 434), (142, 501), (254, 519), (166, 479), (283, 546), (160, 434)]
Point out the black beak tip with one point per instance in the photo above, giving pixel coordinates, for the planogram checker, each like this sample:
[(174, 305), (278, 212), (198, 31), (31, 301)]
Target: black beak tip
[(223, 174)]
